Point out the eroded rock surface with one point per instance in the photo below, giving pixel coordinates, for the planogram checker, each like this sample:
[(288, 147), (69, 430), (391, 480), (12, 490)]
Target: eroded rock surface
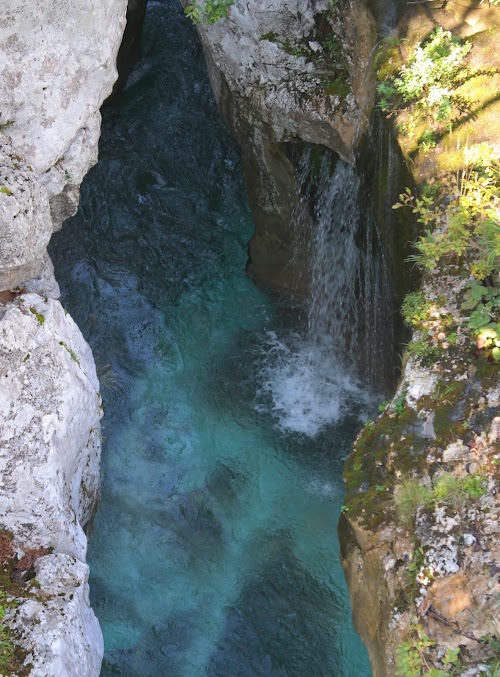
[(301, 68), (433, 565), (57, 65), (283, 73), (49, 426), (57, 628)]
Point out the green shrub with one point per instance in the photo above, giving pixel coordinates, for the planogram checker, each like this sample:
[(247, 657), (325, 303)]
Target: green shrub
[(412, 655), (452, 490), (429, 78), (422, 347), (415, 308), (457, 491), (427, 140), (469, 234), (408, 498), (209, 11)]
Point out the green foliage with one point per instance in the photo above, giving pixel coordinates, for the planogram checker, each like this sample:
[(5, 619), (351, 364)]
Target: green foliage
[(433, 65), (6, 125), (427, 140), (488, 337), (409, 497), (5, 190), (381, 407), (494, 668), (337, 87), (449, 489), (71, 352), (415, 308), (208, 11), (332, 46), (417, 563), (468, 233), (291, 49), (484, 302), (412, 655), (422, 347), (270, 37), (39, 316), (429, 79), (457, 491), (400, 403), (6, 645)]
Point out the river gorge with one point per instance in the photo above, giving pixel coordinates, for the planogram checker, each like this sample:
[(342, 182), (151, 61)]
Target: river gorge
[(214, 549), (300, 411)]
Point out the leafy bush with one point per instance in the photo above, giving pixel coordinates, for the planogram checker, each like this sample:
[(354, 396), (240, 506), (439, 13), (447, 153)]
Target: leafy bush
[(470, 219), (427, 140), (209, 11), (415, 308), (466, 229), (433, 66), (412, 659), (429, 78), (422, 347)]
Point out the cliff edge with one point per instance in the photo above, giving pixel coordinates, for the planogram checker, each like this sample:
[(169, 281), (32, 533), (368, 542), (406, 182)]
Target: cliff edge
[(57, 65)]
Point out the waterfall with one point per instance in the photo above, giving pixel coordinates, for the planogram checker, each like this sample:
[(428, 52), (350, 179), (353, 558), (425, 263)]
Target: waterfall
[(351, 296), (345, 357)]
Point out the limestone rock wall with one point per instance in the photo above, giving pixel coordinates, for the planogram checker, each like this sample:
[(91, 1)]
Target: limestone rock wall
[(283, 72), (57, 65)]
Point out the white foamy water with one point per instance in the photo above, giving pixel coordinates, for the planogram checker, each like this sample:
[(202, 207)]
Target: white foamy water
[(305, 387), (310, 382)]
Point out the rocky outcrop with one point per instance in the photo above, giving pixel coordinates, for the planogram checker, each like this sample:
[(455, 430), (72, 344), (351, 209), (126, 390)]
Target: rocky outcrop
[(49, 426), (434, 571), (57, 65), (283, 73), (419, 532), (55, 626)]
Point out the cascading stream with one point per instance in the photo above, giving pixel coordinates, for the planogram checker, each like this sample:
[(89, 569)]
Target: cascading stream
[(214, 551), (350, 287)]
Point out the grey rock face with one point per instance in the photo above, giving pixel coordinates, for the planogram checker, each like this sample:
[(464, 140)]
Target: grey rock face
[(284, 72), (57, 65), (271, 55), (49, 426), (61, 634), (25, 223)]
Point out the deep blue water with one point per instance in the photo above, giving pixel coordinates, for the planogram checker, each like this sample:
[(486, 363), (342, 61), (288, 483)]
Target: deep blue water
[(214, 551)]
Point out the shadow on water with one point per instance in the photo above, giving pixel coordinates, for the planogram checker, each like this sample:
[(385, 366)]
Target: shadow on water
[(214, 551)]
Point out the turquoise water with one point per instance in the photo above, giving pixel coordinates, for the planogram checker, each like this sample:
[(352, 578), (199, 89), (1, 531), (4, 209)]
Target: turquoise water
[(214, 551)]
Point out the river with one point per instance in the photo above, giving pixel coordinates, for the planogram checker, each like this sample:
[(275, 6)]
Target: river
[(214, 551)]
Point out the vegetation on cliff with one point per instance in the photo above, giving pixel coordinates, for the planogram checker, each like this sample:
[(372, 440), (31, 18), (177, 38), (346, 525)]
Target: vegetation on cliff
[(209, 11), (423, 491)]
